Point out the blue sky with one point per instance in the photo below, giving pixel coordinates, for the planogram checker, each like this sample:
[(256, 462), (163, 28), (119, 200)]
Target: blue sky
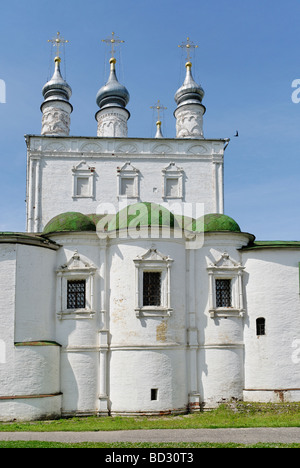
[(247, 59)]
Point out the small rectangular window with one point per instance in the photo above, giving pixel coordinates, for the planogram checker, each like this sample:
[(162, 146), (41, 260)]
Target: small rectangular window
[(260, 326), (151, 288), (154, 394), (82, 189), (127, 186), (223, 293), (76, 294), (172, 187)]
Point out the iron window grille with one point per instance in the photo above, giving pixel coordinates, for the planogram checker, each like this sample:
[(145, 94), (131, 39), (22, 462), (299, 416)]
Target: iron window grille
[(151, 288), (223, 293), (260, 326), (76, 294)]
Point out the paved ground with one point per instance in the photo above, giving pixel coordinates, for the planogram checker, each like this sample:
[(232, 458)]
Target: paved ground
[(243, 436)]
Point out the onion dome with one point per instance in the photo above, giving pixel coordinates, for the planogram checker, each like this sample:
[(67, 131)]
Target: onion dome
[(113, 94), (70, 222), (57, 89), (190, 92)]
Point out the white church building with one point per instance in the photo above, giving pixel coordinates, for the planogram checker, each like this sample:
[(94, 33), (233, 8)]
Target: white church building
[(131, 292)]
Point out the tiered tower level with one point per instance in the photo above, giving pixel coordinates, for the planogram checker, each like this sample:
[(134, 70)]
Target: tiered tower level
[(98, 173)]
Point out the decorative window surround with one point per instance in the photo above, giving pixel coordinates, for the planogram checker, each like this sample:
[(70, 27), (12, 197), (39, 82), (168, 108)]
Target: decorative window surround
[(226, 268), (172, 173), (75, 270), (131, 174), (153, 261), (83, 181)]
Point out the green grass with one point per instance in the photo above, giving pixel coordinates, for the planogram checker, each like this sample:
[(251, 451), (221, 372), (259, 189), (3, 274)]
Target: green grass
[(127, 445), (235, 415)]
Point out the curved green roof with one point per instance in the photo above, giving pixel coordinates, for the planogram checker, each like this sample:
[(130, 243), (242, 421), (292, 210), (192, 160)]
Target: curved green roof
[(71, 221), (216, 222), (142, 214)]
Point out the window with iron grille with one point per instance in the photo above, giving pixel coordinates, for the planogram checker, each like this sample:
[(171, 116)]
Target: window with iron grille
[(151, 288), (223, 293), (260, 326), (76, 294)]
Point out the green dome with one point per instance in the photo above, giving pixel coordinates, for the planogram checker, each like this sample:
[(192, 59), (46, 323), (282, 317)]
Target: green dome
[(218, 222), (142, 214), (71, 221)]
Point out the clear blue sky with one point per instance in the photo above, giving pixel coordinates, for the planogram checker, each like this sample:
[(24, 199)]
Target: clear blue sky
[(247, 59)]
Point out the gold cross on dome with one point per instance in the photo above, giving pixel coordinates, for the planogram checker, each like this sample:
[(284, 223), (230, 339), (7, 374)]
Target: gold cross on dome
[(57, 41), (112, 41), (188, 45), (158, 107)]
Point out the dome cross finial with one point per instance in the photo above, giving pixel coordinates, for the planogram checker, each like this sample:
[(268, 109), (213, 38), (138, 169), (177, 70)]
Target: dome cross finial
[(57, 41), (188, 45), (113, 41), (158, 108)]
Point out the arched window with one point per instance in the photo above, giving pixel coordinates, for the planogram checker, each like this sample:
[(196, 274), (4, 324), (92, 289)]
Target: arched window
[(260, 326)]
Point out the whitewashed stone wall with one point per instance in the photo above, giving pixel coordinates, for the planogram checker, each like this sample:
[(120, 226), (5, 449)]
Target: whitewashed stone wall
[(272, 370), (30, 383), (220, 367), (7, 321), (106, 360), (148, 351), (51, 163)]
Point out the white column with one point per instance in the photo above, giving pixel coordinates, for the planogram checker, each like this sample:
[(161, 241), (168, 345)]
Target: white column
[(30, 199), (218, 182), (194, 397), (221, 188), (103, 370), (103, 332), (37, 196), (241, 296)]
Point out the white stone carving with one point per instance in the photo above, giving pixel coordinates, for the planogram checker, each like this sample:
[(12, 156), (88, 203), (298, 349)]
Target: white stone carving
[(153, 260), (128, 181), (162, 148), (75, 269), (199, 149), (91, 148), (112, 123), (126, 148), (189, 121), (83, 180), (172, 187), (55, 121), (226, 268)]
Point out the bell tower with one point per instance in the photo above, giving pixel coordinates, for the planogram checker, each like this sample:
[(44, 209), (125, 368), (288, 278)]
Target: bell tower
[(190, 110), (56, 107), (112, 99)]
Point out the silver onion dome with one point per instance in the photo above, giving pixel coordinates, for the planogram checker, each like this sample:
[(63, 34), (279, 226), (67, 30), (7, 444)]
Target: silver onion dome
[(113, 94), (57, 89), (190, 92)]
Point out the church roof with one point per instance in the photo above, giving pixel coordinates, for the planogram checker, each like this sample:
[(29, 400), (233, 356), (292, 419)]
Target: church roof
[(70, 221), (259, 245), (190, 92), (216, 222), (113, 93), (57, 88), (142, 214)]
